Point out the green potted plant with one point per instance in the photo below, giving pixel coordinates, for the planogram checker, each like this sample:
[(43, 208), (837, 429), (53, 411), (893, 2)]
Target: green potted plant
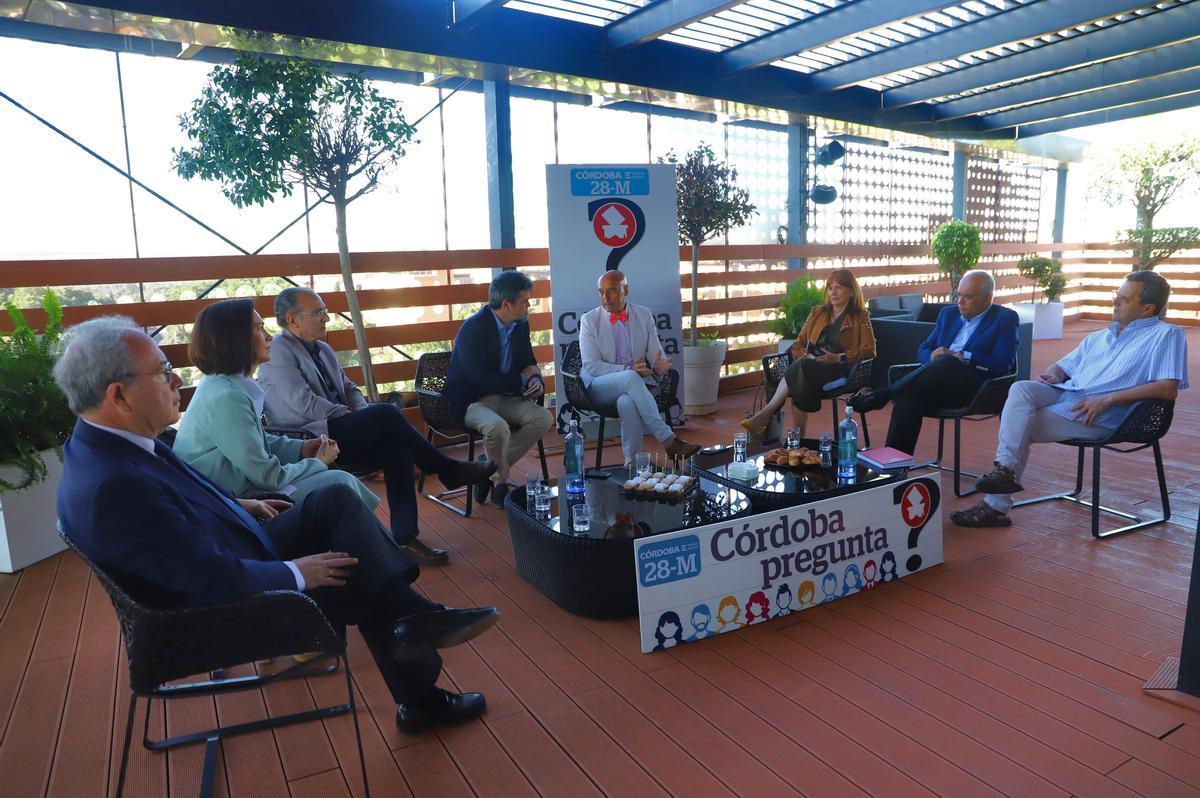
[(34, 422), (1045, 273), (802, 295), (956, 246), (709, 202)]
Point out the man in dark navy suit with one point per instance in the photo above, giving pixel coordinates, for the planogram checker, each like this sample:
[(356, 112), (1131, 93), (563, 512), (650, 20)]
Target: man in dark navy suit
[(171, 537), (971, 342), (494, 380)]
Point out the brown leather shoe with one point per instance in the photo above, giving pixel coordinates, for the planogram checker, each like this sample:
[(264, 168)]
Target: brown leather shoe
[(417, 551), (981, 515), (678, 447), (1000, 480)]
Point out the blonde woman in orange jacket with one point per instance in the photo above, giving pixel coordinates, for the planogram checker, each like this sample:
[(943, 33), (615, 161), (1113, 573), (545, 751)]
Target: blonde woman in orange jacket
[(835, 336)]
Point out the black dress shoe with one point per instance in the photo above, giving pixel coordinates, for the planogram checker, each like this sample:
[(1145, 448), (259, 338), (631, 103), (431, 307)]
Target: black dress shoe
[(444, 709), (417, 635), (499, 494), (482, 489), (460, 473), (422, 554), (866, 401)]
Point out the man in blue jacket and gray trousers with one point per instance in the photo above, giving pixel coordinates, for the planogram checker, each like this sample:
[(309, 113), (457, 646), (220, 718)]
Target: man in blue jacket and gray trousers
[(494, 382), (971, 342)]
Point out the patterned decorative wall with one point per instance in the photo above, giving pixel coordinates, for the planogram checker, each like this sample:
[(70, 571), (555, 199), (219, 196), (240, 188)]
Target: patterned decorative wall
[(1004, 199)]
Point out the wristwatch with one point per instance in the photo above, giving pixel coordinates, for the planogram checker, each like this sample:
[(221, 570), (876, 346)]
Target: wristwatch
[(842, 358)]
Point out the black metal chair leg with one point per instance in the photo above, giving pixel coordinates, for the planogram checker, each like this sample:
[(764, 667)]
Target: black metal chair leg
[(958, 472), (133, 699), (362, 757), (443, 498), (862, 417), (1095, 491), (1079, 473), (600, 443), (1162, 482), (542, 457), (212, 745)]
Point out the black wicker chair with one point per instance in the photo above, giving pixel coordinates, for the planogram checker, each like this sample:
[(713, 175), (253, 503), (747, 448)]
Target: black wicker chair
[(987, 402), (577, 395), (167, 644), (775, 365), (1144, 423), (439, 417)]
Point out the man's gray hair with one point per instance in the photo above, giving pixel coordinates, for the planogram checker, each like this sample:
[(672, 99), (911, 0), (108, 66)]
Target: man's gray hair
[(96, 356), (506, 287), (285, 303), (989, 282)]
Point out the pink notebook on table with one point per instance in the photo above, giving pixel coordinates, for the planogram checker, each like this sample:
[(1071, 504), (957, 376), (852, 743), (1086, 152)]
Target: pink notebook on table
[(886, 457)]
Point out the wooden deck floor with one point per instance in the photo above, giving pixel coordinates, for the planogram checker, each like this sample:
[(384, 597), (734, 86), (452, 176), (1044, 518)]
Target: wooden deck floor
[(1016, 668)]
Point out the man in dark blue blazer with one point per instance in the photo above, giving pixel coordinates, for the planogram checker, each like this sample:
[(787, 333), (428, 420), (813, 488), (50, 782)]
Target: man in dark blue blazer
[(971, 342), (494, 380), (172, 538)]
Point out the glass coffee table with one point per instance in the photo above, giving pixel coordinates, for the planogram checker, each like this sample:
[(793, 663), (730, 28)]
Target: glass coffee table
[(776, 487), (592, 573)]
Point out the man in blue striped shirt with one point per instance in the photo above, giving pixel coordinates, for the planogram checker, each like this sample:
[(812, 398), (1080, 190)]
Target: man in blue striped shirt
[(1085, 394)]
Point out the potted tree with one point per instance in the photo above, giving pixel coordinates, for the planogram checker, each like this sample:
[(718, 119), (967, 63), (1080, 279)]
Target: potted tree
[(709, 202), (794, 306), (262, 127), (34, 422), (1045, 273), (956, 246)]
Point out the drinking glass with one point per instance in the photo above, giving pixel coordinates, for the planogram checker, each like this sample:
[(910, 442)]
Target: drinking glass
[(541, 504), (793, 438), (533, 486), (642, 461), (581, 517), (739, 447), (825, 447)]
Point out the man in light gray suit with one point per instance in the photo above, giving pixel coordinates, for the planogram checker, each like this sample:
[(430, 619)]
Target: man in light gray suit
[(620, 349), (307, 389)]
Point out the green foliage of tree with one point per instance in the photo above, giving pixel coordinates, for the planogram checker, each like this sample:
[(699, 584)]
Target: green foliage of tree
[(34, 415), (709, 202), (797, 302), (33, 297), (1152, 247), (262, 127), (1148, 174), (1045, 273), (956, 246)]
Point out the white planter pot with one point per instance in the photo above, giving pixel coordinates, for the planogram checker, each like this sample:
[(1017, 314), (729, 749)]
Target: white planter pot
[(29, 520), (1047, 318), (702, 377)]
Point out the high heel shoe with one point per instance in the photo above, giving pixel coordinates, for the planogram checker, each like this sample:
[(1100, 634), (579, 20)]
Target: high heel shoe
[(753, 430)]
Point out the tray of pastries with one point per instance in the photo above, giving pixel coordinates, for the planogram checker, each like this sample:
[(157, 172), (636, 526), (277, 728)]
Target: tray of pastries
[(793, 458), (659, 485)]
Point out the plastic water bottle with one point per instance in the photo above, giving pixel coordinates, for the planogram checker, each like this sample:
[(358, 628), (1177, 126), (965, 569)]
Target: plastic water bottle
[(573, 459), (848, 446)]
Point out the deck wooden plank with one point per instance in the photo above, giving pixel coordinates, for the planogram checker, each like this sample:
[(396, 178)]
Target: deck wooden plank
[(1145, 780), (430, 771), (1186, 738), (328, 784), (549, 768), (252, 761), (867, 611), (19, 629), (25, 759), (909, 745), (81, 751)]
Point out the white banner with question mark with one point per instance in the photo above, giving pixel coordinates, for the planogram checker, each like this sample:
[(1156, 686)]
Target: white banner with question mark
[(696, 583)]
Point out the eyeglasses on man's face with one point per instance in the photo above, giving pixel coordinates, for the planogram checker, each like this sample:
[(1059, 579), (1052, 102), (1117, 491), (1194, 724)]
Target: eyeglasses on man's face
[(322, 312), (163, 374)]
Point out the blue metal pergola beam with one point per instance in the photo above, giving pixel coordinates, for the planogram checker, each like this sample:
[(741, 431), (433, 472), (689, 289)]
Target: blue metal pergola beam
[(1160, 61), (471, 12), (1160, 106), (1022, 22), (539, 42), (1153, 30), (823, 28), (658, 18), (1112, 97)]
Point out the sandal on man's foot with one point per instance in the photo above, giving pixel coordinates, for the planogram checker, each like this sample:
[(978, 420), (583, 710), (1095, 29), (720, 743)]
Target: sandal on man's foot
[(981, 515)]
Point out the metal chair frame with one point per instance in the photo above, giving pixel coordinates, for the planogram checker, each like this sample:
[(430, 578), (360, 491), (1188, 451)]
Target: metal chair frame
[(164, 645), (775, 365), (441, 421), (1143, 425), (987, 403)]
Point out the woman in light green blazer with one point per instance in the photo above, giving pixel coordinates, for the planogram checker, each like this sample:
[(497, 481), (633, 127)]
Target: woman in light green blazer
[(221, 434)]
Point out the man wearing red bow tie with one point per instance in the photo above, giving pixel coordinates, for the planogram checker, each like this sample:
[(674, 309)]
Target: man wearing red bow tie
[(620, 349)]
